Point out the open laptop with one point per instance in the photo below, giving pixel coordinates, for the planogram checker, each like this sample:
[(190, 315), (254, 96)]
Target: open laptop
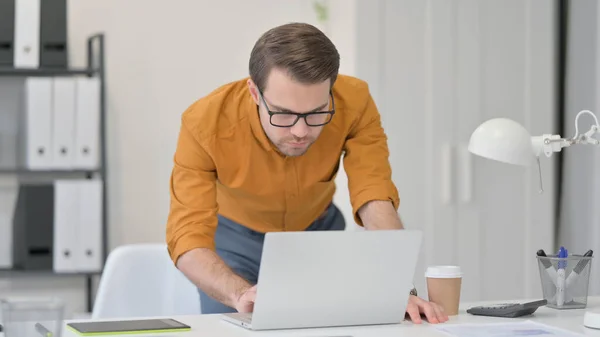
[(333, 278)]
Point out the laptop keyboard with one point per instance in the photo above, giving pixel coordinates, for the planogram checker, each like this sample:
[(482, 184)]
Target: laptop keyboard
[(245, 317)]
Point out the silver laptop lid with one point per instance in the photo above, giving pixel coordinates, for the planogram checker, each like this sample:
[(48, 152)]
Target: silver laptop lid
[(335, 278)]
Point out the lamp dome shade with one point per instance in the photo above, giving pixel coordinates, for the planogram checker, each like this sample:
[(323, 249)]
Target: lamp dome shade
[(504, 140)]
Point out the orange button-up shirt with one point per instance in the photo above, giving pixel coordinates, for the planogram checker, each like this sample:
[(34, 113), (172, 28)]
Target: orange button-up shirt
[(225, 164)]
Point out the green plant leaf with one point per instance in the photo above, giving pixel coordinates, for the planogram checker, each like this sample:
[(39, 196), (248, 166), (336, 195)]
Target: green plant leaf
[(321, 10)]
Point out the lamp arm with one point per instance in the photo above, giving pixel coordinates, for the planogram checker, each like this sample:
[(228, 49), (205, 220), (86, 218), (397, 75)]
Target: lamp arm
[(548, 144), (586, 137)]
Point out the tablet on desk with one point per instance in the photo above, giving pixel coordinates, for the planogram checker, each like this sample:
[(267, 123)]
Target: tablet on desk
[(139, 326)]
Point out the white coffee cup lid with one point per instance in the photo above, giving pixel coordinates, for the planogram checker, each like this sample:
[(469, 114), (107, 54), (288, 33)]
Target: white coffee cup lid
[(443, 272)]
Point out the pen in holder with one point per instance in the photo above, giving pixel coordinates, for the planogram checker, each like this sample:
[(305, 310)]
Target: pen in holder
[(565, 279)]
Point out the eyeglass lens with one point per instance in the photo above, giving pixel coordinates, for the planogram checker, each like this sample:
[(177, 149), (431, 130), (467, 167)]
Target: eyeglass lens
[(313, 119)]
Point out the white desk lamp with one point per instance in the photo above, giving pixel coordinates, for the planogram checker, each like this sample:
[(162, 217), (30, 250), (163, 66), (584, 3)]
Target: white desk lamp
[(507, 141)]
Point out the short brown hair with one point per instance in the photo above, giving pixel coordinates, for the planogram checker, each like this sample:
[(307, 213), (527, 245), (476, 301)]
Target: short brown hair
[(303, 50)]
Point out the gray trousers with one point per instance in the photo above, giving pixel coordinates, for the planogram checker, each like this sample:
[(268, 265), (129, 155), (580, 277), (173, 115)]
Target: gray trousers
[(241, 249)]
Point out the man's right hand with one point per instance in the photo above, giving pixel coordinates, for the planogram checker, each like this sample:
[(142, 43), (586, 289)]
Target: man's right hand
[(210, 273), (245, 302)]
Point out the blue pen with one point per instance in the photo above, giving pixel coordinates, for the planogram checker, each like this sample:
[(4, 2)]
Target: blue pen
[(560, 280)]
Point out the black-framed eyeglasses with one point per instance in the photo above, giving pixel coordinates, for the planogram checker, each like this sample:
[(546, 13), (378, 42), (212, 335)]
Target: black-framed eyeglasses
[(286, 119)]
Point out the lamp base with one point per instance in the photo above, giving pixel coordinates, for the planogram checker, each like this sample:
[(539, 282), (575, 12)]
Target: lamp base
[(592, 319)]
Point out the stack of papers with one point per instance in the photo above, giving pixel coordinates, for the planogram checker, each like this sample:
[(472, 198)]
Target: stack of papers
[(527, 328)]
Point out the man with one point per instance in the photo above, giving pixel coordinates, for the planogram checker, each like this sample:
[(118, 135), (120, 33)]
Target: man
[(261, 154)]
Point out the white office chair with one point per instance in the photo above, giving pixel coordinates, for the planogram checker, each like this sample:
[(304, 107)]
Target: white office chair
[(141, 280)]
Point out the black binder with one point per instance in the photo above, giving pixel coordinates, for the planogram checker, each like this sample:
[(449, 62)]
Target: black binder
[(53, 34), (33, 227), (7, 32)]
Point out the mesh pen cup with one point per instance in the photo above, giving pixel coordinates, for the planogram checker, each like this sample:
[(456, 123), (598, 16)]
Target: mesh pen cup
[(32, 317), (565, 281)]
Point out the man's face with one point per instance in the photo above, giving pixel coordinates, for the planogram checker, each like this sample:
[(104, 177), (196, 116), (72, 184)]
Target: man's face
[(282, 94)]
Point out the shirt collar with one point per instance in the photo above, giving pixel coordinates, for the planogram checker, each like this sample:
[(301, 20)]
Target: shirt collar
[(256, 126)]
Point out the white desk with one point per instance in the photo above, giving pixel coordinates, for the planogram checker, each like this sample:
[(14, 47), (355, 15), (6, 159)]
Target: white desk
[(212, 326)]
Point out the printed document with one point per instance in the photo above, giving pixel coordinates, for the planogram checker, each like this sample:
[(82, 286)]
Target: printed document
[(527, 328)]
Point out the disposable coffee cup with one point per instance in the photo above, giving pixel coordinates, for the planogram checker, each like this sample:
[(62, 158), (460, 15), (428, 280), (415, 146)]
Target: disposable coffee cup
[(443, 287)]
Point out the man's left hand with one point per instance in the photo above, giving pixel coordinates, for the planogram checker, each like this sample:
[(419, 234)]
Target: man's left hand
[(433, 312)]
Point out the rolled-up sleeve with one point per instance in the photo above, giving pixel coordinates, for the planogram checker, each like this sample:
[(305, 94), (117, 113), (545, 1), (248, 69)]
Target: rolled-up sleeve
[(366, 161), (192, 218)]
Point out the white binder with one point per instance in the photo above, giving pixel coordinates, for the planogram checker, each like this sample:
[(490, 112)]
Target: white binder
[(38, 122), (89, 250), (87, 123), (27, 34), (63, 123), (66, 221)]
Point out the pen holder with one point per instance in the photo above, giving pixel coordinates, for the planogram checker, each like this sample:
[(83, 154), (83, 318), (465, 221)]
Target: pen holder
[(32, 317), (565, 281)]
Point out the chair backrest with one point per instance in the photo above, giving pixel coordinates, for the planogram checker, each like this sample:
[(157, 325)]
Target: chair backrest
[(141, 280)]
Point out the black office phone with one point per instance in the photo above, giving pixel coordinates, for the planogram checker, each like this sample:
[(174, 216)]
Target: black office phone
[(510, 310)]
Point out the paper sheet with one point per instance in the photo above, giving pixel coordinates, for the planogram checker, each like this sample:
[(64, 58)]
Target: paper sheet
[(527, 328)]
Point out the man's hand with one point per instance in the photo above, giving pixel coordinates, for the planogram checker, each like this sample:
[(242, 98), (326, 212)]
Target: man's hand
[(433, 312), (211, 274), (245, 302)]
